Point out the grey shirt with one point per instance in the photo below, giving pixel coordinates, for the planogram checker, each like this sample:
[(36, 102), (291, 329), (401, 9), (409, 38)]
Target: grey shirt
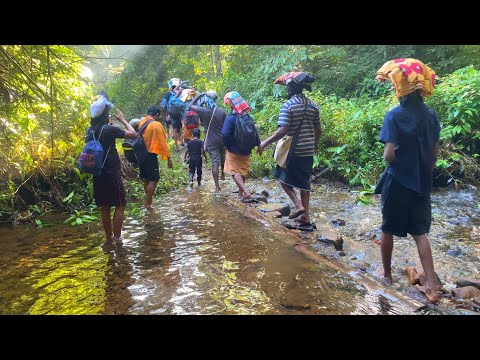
[(213, 133)]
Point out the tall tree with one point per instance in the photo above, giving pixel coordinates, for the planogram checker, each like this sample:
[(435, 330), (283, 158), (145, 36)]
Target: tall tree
[(218, 63)]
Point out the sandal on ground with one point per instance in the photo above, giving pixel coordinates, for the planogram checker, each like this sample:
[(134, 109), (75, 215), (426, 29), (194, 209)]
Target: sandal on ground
[(296, 214), (304, 226)]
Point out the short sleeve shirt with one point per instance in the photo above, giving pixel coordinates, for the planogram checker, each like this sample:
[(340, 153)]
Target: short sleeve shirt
[(291, 115)]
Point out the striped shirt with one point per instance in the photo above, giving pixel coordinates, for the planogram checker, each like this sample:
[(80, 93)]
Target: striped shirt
[(291, 114)]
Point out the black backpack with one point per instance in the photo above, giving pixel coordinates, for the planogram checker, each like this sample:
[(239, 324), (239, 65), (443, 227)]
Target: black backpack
[(246, 135), (135, 150)]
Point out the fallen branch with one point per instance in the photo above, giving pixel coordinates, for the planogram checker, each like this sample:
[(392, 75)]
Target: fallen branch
[(320, 174)]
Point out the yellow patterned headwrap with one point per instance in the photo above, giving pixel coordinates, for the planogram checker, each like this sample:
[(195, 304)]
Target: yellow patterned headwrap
[(408, 75)]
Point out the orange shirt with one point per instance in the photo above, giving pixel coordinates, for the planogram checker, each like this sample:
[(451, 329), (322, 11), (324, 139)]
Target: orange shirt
[(155, 138)]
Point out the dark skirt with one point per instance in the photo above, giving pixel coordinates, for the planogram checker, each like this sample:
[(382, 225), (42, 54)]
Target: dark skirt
[(298, 172), (109, 191)]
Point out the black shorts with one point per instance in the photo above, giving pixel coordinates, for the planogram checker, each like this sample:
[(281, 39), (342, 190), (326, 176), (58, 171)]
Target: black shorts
[(149, 168), (108, 190), (404, 210), (176, 122)]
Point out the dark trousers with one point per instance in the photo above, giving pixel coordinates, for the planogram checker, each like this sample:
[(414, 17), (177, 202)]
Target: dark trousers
[(195, 166)]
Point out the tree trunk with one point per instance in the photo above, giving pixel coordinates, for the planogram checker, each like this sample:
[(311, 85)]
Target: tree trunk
[(51, 97), (218, 63)]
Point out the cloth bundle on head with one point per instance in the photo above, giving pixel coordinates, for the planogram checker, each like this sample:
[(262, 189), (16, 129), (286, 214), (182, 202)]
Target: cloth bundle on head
[(187, 95), (98, 107), (298, 77), (134, 123), (173, 82), (237, 103), (407, 76), (209, 102)]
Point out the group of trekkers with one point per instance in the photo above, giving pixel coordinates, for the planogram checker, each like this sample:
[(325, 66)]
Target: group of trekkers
[(410, 133)]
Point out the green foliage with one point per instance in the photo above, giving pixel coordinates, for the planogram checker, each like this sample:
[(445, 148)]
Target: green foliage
[(83, 216), (363, 197), (262, 166), (457, 99), (350, 129), (457, 102)]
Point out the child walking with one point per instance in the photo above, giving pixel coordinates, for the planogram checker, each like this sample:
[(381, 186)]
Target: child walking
[(195, 152)]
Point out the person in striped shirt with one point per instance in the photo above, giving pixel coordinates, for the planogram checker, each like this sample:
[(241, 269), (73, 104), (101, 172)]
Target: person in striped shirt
[(299, 117)]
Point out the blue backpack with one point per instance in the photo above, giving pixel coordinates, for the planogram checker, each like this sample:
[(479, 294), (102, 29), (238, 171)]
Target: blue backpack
[(176, 107), (90, 159)]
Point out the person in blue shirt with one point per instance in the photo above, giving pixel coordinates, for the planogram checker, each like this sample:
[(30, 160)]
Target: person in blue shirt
[(237, 159), (410, 133)]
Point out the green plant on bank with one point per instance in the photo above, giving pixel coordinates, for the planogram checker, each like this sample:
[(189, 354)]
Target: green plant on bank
[(83, 216), (457, 101), (364, 197), (133, 210)]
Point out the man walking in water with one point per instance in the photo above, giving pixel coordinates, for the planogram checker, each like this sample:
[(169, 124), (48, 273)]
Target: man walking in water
[(156, 142), (300, 118), (212, 118), (411, 134)]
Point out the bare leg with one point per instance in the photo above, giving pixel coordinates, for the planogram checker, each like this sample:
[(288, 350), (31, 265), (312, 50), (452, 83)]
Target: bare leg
[(215, 176), (240, 181), (175, 137), (291, 194), (305, 217), (386, 247), (118, 216), (222, 163), (149, 191), (425, 253), (107, 223)]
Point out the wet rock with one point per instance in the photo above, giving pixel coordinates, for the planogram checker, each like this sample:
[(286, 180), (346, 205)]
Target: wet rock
[(415, 275), (464, 219), (466, 292), (262, 199), (362, 265), (374, 235), (462, 282), (256, 199), (476, 300), (332, 237), (459, 220), (338, 222), (262, 191), (467, 312), (283, 209), (291, 306), (456, 250), (275, 214)]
